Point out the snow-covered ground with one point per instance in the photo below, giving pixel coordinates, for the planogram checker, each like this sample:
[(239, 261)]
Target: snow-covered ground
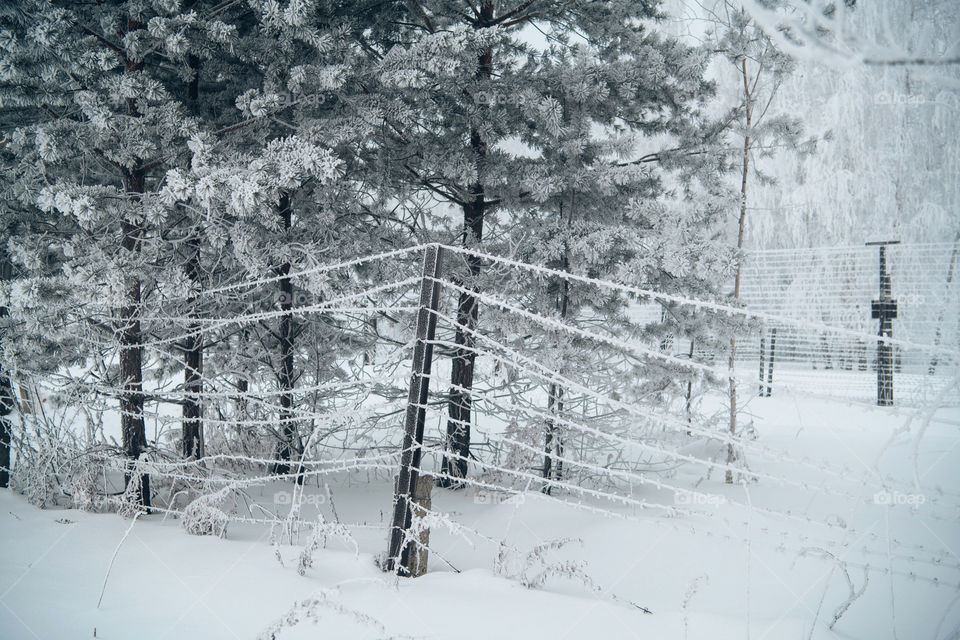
[(759, 563)]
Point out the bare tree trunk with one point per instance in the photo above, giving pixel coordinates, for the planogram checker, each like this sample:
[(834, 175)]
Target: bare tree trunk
[(6, 428), (193, 370), (131, 356), (192, 424), (243, 382), (7, 397), (286, 376), (130, 334), (553, 440), (460, 401), (731, 450), (689, 403)]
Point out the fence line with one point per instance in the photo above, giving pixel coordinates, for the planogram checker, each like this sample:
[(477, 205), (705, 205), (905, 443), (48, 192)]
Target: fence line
[(360, 416)]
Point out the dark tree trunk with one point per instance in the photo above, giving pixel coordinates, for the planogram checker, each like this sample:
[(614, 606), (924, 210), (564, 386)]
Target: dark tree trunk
[(286, 376), (7, 397), (553, 440), (130, 334), (460, 402), (6, 429), (243, 386), (131, 357), (243, 382), (193, 369), (192, 427)]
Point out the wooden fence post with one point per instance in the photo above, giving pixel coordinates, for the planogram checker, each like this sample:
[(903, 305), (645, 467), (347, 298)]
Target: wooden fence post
[(402, 559)]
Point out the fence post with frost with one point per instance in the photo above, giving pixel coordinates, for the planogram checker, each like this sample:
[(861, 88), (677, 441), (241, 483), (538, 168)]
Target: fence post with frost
[(402, 556)]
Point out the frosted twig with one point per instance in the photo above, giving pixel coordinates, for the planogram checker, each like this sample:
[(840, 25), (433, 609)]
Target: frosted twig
[(114, 556)]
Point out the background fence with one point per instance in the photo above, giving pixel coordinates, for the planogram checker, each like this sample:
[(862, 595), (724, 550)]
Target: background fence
[(814, 312)]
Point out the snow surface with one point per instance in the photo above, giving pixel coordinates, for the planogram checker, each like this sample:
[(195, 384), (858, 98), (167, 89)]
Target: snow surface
[(734, 573)]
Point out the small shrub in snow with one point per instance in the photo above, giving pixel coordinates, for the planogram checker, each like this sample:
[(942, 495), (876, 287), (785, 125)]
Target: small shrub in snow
[(203, 517), (516, 457), (312, 608), (84, 487), (42, 450), (318, 539), (533, 568), (32, 477)]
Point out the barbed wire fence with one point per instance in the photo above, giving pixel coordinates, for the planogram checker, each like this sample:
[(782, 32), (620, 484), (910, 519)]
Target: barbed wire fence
[(599, 446), (597, 423)]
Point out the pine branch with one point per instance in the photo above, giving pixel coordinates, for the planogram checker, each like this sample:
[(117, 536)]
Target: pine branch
[(113, 47), (423, 14)]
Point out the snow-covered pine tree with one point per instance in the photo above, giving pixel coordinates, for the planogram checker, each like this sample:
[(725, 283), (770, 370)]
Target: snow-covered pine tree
[(198, 44), (617, 207), (481, 120), (286, 186), (95, 119)]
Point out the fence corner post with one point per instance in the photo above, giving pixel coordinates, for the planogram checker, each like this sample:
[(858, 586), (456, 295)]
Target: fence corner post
[(402, 556)]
